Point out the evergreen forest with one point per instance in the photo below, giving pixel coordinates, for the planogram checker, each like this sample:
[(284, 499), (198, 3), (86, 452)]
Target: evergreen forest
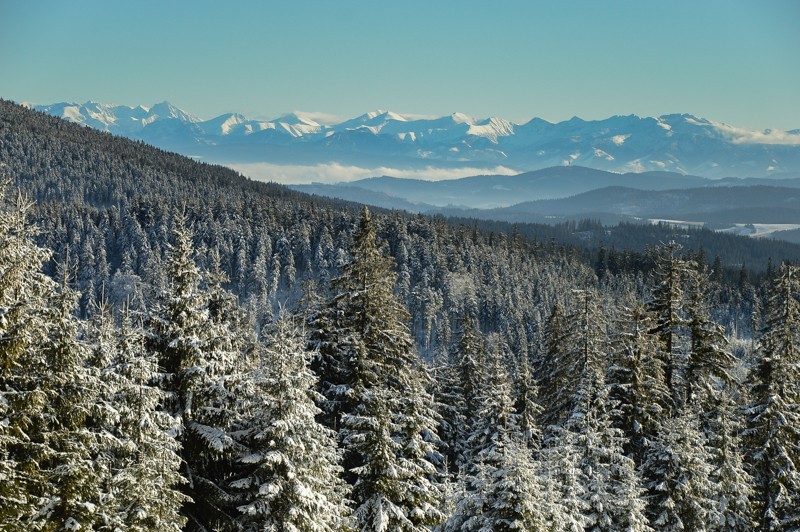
[(182, 348)]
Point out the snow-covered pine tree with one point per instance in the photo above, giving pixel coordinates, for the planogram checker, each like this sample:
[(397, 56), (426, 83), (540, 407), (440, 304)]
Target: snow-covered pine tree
[(387, 424), (613, 495), (636, 379), (610, 492), (773, 429), (25, 296), (144, 490), (667, 302), (459, 385), (75, 474), (193, 352), (519, 498), (733, 485), (290, 474), (678, 474), (527, 406), (495, 426), (709, 361), (572, 342), (560, 468), (550, 370)]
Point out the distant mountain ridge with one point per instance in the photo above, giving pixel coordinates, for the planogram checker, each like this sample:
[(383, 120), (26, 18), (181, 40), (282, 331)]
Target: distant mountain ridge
[(497, 191), (680, 143)]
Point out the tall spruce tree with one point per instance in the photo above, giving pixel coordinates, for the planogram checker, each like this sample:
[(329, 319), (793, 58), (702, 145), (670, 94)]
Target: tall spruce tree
[(574, 346), (678, 473), (495, 427), (613, 494), (387, 424), (552, 369), (774, 416), (709, 361), (527, 406), (25, 296), (145, 485), (733, 485), (290, 472), (193, 353), (459, 385), (667, 305), (76, 476), (636, 379), (610, 491)]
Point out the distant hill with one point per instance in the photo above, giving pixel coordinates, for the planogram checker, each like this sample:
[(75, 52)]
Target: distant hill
[(494, 191), (488, 191), (743, 202), (746, 210), (363, 195)]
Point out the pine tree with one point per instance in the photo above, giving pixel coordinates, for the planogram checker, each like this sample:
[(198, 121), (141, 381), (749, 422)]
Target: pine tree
[(636, 380), (574, 342), (774, 416), (75, 474), (291, 468), (495, 428), (561, 468), (667, 304), (145, 485), (25, 295), (378, 385), (733, 485), (678, 471), (612, 491), (709, 361), (552, 370), (195, 355), (609, 492), (518, 498), (527, 406), (460, 384)]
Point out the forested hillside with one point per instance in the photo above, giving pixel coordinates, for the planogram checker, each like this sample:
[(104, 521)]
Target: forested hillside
[(182, 348)]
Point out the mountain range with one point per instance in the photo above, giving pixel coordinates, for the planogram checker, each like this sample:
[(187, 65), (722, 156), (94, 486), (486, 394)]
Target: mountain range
[(753, 206), (680, 143), (497, 191)]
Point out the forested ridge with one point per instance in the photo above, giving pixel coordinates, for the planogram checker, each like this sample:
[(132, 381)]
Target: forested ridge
[(184, 349)]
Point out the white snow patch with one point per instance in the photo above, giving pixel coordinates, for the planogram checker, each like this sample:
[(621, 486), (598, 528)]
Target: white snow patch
[(635, 166), (619, 140), (600, 154)]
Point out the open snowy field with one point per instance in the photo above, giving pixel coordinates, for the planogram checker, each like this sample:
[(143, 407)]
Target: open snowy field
[(759, 230), (751, 230)]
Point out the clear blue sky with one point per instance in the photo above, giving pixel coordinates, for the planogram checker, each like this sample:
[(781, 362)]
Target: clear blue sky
[(735, 61)]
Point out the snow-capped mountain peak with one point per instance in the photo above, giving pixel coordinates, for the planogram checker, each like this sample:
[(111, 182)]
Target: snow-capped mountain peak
[(675, 142), (166, 110), (296, 118)]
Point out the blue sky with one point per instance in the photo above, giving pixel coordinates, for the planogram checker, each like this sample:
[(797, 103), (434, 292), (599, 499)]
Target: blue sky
[(735, 61)]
